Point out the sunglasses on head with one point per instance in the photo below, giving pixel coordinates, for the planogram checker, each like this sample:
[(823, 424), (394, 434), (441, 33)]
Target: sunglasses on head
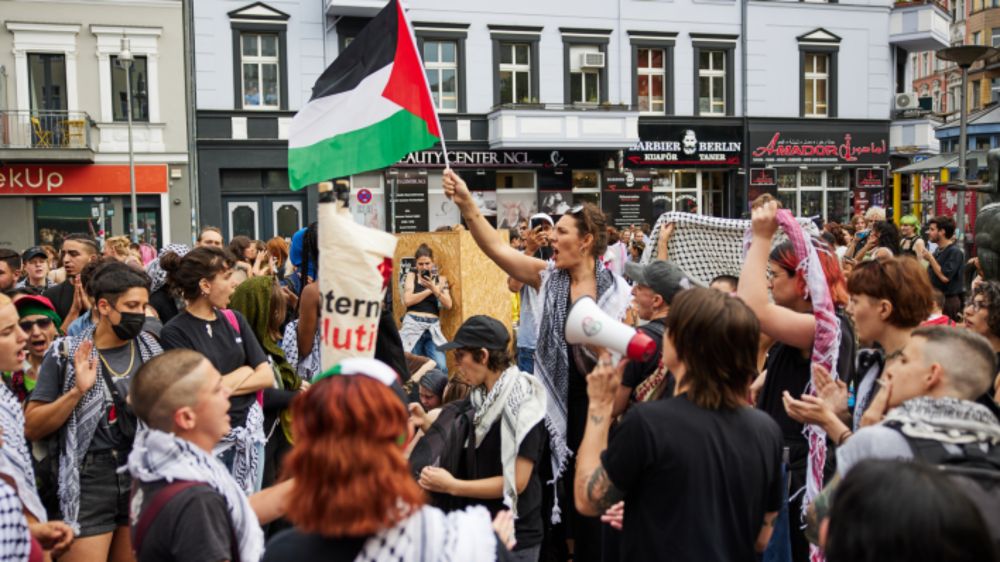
[(577, 209), (42, 323)]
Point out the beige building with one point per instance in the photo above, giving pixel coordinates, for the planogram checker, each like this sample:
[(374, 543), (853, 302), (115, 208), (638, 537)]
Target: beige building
[(64, 107)]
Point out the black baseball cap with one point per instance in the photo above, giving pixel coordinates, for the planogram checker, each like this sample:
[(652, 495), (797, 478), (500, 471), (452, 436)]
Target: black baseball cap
[(479, 331), (33, 252)]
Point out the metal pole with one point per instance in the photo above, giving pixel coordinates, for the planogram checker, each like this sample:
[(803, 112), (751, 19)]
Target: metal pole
[(962, 149), (131, 152)]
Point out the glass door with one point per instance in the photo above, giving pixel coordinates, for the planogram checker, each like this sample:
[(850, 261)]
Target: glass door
[(286, 218), (713, 186), (243, 219), (47, 87)]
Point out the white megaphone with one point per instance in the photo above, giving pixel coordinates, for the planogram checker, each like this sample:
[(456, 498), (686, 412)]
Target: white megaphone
[(588, 324)]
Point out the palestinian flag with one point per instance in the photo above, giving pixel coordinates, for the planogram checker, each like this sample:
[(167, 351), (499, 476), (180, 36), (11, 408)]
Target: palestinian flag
[(369, 109)]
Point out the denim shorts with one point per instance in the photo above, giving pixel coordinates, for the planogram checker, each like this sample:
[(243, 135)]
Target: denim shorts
[(104, 493)]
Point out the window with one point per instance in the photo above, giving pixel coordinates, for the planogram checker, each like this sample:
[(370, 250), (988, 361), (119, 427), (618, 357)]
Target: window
[(915, 66), (817, 82), (977, 37), (140, 98), (585, 74), (974, 94), (995, 37), (515, 179), (675, 190), (927, 64), (441, 64), (260, 70), (651, 70), (816, 193), (515, 73), (712, 82)]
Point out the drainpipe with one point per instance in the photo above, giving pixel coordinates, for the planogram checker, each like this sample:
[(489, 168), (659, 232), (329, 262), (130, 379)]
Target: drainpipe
[(745, 184), (190, 100)]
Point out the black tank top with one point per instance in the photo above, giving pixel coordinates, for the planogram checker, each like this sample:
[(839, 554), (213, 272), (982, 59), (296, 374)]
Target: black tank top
[(429, 305), (906, 246)]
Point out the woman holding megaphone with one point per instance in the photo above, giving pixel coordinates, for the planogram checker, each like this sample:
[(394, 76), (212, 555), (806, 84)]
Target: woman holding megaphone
[(578, 241)]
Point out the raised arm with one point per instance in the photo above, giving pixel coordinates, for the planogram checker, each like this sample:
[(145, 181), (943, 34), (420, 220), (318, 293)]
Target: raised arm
[(785, 325), (519, 266)]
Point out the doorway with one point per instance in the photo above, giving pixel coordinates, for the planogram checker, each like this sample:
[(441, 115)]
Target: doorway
[(262, 218)]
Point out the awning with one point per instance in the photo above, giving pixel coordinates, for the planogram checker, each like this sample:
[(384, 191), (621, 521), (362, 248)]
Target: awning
[(932, 164), (936, 163)]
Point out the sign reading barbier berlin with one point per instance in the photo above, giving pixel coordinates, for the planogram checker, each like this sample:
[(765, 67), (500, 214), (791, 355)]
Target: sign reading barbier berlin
[(679, 145)]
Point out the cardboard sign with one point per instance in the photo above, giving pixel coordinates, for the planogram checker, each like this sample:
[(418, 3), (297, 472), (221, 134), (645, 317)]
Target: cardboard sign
[(355, 267)]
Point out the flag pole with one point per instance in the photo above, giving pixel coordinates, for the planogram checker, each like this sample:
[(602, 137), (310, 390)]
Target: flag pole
[(427, 86)]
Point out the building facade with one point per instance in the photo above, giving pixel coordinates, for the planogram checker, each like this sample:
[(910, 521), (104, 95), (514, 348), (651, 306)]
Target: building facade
[(255, 66), (64, 147)]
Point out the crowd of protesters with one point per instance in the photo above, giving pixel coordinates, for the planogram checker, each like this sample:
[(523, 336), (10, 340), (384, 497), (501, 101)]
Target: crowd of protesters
[(835, 397)]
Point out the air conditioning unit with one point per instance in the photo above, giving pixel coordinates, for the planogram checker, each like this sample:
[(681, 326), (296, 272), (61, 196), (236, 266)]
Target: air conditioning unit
[(592, 60), (906, 101)]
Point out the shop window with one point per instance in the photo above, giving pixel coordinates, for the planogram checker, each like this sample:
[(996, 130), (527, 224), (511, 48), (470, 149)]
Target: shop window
[(516, 180), (441, 66), (712, 82), (811, 203), (651, 80), (585, 74), (148, 223), (817, 85), (119, 91), (586, 179), (838, 179), (838, 206), (811, 178), (675, 190), (787, 179), (515, 73), (260, 67)]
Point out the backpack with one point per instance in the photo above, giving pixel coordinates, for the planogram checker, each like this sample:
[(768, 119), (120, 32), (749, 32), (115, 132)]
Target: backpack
[(975, 472), (443, 446)]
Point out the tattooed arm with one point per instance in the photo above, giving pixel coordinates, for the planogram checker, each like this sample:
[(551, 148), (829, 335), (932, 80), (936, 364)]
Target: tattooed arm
[(593, 490)]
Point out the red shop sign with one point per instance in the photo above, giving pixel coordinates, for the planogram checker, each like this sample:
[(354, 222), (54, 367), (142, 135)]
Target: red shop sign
[(86, 179)]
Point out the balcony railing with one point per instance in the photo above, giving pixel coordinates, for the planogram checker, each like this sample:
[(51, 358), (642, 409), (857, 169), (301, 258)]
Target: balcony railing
[(45, 130), (943, 4)]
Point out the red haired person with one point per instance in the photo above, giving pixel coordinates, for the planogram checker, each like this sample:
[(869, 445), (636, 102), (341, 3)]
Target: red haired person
[(790, 321), (352, 490)]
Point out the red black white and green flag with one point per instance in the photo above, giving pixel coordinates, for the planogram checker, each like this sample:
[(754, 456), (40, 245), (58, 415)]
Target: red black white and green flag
[(369, 109)]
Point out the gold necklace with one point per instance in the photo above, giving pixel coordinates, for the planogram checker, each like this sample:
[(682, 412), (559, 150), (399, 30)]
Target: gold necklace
[(131, 361)]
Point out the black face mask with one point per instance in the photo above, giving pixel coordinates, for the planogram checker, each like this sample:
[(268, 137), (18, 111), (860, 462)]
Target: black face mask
[(129, 326)]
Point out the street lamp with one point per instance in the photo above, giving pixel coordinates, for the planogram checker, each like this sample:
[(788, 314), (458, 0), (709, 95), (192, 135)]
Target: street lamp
[(125, 59), (964, 56)]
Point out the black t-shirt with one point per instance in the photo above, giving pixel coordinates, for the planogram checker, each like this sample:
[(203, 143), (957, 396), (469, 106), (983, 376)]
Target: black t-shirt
[(61, 295), (487, 464), (952, 262), (194, 526), (49, 388), (164, 304), (788, 369), (219, 342), (292, 544), (636, 372), (697, 482)]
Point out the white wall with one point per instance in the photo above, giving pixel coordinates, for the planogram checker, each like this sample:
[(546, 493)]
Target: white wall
[(214, 50), (864, 80)]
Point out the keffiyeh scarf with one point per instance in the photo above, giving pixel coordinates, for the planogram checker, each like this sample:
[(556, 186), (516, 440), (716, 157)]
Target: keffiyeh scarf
[(156, 273), (552, 351), (246, 442), (15, 457), (414, 326), (78, 431), (948, 420), (705, 247), (305, 367), (157, 455), (429, 534), (826, 346), (518, 399)]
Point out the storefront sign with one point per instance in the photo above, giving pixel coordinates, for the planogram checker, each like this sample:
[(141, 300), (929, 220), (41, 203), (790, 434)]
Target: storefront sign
[(686, 145), (90, 179), (518, 159), (410, 211), (763, 176), (819, 142), (870, 178), (628, 180)]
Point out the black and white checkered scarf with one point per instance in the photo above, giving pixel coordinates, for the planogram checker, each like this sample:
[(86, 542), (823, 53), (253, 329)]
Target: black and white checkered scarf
[(15, 457), (429, 534)]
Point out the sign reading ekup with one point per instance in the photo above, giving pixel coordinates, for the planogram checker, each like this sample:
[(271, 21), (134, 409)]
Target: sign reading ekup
[(87, 179)]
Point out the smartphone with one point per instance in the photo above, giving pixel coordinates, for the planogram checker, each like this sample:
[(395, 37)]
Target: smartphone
[(536, 222)]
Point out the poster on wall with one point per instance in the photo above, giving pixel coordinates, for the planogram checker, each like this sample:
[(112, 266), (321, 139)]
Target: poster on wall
[(410, 210), (628, 198), (441, 211), (486, 202), (367, 207), (946, 203), (555, 203), (514, 206)]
